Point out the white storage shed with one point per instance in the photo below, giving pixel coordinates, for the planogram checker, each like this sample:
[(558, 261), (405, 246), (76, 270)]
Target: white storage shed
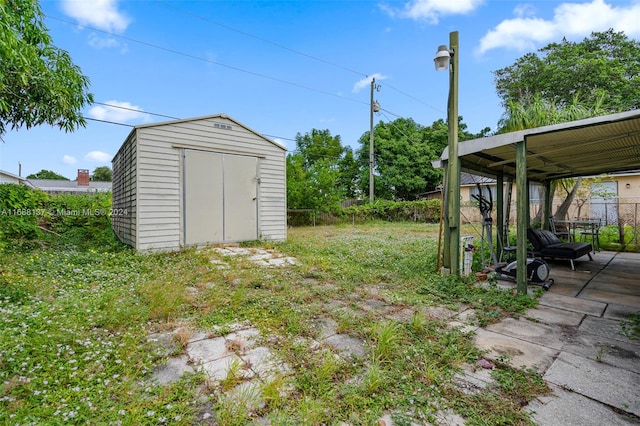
[(198, 181)]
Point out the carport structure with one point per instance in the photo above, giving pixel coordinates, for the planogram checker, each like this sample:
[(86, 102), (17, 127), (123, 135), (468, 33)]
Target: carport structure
[(585, 147)]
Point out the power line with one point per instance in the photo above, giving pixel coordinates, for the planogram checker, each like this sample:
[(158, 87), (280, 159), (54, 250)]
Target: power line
[(198, 58), (108, 122), (288, 49), (135, 110), (156, 114), (262, 39), (412, 97)]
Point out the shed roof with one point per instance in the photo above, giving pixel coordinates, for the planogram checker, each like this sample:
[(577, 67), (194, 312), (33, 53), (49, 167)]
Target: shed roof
[(588, 147), (208, 117)]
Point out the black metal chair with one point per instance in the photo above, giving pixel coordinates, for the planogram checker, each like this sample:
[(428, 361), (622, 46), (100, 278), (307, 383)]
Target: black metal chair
[(592, 231), (560, 231)]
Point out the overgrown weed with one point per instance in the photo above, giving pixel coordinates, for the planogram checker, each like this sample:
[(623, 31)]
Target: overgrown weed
[(75, 346)]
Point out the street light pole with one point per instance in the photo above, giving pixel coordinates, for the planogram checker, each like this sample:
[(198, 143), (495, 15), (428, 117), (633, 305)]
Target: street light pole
[(373, 83), (448, 58)]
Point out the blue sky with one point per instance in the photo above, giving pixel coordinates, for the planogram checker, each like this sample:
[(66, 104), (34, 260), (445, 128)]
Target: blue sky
[(286, 67)]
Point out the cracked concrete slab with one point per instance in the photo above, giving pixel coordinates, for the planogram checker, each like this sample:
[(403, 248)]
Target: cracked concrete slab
[(172, 370), (610, 297), (601, 382), (549, 315), (219, 368), (603, 327), (203, 351), (346, 345), (619, 312), (519, 352), (569, 408), (529, 331), (325, 327), (573, 304), (599, 348)]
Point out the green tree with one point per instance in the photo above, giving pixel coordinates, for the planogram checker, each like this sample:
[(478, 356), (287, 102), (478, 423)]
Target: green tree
[(403, 151), (102, 174), (39, 83), (349, 174), (297, 182), (315, 178), (46, 174), (540, 112), (603, 70), (319, 145)]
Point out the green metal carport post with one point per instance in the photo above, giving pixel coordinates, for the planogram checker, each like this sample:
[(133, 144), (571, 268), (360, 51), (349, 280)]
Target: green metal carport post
[(523, 215)]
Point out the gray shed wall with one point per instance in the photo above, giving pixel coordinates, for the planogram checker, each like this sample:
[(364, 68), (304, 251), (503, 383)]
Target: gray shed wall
[(158, 196), (123, 192)]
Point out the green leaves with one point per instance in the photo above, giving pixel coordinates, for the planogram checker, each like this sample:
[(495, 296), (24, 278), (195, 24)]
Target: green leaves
[(39, 83), (318, 174), (601, 71)]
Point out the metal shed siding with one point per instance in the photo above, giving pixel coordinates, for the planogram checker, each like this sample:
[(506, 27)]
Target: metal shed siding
[(159, 190), (160, 184), (123, 218)]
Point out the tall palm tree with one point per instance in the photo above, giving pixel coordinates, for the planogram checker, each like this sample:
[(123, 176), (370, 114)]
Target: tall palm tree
[(537, 112)]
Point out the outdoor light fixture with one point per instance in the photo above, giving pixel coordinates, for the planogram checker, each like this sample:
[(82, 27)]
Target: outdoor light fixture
[(447, 57), (442, 58)]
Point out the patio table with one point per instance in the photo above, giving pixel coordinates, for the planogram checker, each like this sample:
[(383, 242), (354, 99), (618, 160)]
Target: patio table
[(587, 227)]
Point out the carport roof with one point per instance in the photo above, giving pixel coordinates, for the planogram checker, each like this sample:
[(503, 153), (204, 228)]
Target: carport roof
[(586, 147)]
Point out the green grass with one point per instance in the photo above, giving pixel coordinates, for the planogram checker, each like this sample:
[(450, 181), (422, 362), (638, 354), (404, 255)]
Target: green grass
[(77, 327)]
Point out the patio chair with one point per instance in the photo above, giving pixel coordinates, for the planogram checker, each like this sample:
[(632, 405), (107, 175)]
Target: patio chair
[(547, 245), (561, 231), (592, 231)]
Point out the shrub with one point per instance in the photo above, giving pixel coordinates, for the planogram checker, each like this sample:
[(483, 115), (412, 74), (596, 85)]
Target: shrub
[(81, 218), (20, 209)]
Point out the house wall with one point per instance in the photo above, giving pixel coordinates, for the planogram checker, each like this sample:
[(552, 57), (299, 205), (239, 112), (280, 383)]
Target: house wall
[(124, 185), (626, 196), (6, 178), (159, 211)]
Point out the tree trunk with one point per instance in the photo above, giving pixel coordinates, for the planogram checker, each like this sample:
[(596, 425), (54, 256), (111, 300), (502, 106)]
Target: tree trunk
[(563, 210)]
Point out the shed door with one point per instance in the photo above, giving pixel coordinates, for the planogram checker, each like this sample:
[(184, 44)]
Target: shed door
[(220, 198), (240, 198), (203, 196)]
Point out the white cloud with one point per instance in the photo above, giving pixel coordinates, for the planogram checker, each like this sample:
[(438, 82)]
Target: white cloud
[(366, 82), (68, 159), (106, 42), (571, 20), (120, 112), (432, 10), (98, 157), (101, 14)]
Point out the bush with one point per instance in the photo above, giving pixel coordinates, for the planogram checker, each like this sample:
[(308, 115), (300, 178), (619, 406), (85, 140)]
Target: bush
[(20, 210), (388, 211), (397, 211), (80, 219)]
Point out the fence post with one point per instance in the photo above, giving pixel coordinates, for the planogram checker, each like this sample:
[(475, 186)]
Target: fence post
[(635, 225)]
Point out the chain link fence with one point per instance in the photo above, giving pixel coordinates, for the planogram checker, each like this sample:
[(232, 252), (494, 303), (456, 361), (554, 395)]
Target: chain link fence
[(417, 211)]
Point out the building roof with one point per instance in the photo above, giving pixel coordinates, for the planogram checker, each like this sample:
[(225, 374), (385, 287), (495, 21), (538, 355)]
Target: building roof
[(208, 117), (12, 176), (54, 185), (588, 147)]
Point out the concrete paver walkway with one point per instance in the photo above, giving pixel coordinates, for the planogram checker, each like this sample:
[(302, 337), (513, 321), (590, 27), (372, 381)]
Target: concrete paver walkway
[(574, 339)]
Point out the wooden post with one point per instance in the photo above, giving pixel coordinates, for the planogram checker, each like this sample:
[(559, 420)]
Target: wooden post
[(522, 220), (500, 214)]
